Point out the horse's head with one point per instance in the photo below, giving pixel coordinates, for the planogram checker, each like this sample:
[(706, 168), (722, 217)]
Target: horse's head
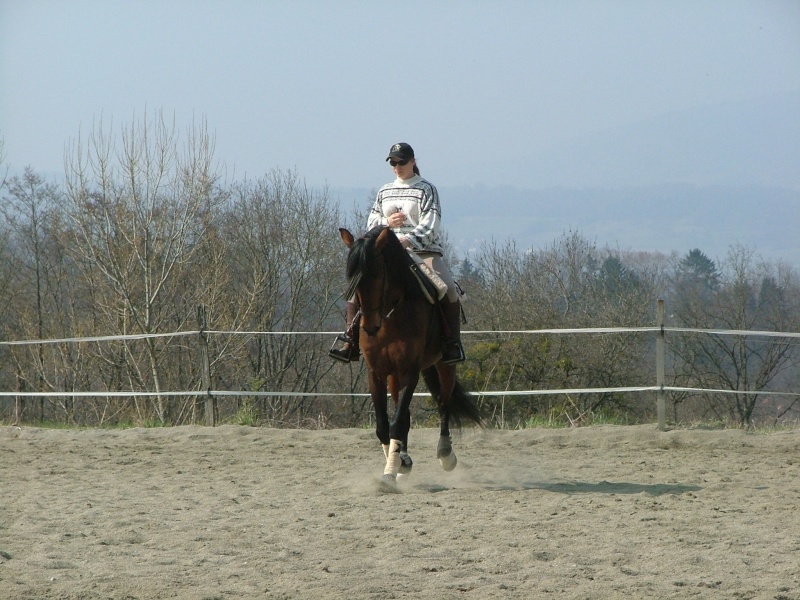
[(376, 270)]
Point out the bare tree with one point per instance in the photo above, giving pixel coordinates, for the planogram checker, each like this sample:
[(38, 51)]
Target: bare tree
[(140, 212), (3, 166), (748, 294), (571, 284), (286, 263), (31, 215), (7, 275)]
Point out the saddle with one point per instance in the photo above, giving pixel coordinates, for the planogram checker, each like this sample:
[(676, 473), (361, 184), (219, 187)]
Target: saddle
[(432, 286)]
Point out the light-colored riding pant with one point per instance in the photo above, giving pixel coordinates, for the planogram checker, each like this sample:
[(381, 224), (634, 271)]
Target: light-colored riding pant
[(438, 265)]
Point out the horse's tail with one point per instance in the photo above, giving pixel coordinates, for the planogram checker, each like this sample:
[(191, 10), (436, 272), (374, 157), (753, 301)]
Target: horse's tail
[(462, 408)]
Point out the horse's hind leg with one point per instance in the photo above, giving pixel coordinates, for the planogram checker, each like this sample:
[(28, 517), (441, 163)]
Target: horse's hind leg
[(444, 449)]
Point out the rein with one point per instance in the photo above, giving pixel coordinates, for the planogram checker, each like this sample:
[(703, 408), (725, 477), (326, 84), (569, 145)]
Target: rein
[(357, 280), (353, 286)]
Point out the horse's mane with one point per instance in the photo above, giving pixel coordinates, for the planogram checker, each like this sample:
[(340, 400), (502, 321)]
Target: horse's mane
[(361, 261)]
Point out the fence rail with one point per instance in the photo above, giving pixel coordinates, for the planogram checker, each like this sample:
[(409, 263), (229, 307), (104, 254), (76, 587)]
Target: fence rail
[(666, 329), (660, 388)]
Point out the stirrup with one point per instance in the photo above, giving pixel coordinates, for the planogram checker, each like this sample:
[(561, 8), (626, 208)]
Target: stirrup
[(453, 352), (348, 353)]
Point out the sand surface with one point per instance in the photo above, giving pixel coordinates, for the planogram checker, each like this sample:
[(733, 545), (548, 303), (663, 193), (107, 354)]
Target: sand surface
[(237, 512)]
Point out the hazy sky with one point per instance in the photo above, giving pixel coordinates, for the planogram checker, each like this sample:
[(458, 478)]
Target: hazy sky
[(326, 87)]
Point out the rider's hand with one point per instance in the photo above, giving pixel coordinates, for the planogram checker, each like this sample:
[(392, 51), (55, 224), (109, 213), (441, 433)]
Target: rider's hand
[(396, 219)]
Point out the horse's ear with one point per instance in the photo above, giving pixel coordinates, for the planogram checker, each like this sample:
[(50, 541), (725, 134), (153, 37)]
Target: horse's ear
[(382, 238), (347, 237)]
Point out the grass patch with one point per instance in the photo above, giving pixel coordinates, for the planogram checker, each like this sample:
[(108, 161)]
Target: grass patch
[(247, 415)]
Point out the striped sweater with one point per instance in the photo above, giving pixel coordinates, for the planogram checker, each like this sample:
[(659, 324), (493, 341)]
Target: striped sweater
[(418, 199)]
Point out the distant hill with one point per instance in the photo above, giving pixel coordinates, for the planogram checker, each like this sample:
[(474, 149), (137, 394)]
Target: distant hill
[(658, 218), (662, 218)]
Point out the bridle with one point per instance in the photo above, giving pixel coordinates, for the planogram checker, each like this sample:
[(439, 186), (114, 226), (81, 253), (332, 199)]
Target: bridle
[(381, 308)]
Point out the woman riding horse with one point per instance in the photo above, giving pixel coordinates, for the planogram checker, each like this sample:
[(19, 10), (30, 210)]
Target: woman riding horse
[(410, 206), (402, 336)]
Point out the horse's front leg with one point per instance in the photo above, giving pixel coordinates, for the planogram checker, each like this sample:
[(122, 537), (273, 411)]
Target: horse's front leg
[(391, 451), (397, 458), (377, 390)]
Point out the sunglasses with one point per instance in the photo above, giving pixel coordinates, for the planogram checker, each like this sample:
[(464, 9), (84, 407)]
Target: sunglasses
[(398, 163)]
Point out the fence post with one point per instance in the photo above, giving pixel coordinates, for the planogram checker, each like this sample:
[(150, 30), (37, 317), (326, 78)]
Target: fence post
[(661, 406), (211, 417)]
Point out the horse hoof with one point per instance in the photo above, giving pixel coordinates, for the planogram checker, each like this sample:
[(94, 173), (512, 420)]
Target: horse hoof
[(405, 463), (448, 461), (388, 484)]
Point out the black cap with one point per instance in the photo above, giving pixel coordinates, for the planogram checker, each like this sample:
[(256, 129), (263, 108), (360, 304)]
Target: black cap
[(401, 151)]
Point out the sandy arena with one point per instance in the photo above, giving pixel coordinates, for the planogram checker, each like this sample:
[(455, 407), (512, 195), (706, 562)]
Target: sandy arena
[(237, 512)]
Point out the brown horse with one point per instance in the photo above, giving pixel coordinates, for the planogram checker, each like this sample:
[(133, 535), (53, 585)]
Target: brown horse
[(401, 336)]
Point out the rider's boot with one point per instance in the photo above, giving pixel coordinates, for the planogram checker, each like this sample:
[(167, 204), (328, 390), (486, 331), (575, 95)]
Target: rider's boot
[(453, 351), (345, 347)]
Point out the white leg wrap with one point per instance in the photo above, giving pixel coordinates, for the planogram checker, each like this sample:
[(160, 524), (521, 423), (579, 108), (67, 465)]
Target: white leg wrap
[(393, 458), (385, 450)]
